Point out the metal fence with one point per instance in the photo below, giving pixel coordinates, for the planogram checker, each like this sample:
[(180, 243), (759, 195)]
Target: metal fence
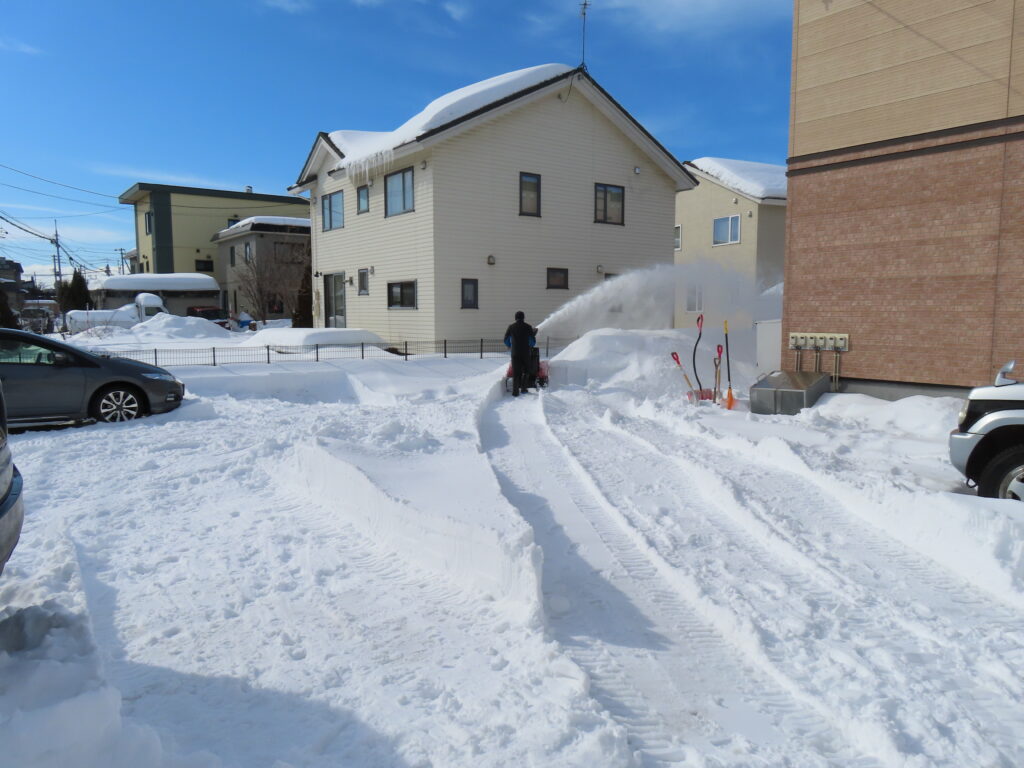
[(277, 353)]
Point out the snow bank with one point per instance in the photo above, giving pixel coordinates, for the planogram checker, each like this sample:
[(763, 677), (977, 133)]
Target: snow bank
[(166, 325), (300, 337), (755, 179), (365, 149), (168, 281)]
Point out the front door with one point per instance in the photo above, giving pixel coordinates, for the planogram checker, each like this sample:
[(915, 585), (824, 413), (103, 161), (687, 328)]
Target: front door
[(334, 300)]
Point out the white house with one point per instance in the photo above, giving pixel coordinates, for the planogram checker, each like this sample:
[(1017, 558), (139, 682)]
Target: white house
[(518, 192)]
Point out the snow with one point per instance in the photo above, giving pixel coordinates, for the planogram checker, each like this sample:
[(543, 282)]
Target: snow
[(282, 221), (390, 562), (299, 337), (167, 281), (364, 150), (758, 180), (162, 330)]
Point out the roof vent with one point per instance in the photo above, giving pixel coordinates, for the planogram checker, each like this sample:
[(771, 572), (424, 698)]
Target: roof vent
[(248, 190)]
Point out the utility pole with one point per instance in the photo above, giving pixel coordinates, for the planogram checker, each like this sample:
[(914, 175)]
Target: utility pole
[(56, 257), (121, 266)]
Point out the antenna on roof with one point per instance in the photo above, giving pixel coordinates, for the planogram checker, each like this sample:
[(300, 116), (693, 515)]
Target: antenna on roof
[(584, 6)]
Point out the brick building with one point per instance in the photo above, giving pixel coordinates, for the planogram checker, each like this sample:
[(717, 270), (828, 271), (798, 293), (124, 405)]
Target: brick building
[(905, 225)]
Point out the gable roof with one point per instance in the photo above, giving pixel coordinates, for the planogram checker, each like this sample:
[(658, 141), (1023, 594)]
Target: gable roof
[(763, 182), (360, 151)]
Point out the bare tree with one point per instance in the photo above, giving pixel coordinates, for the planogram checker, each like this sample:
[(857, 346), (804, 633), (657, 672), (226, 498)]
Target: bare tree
[(275, 279)]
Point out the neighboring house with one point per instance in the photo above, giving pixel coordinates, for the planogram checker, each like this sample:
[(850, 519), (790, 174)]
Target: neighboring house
[(906, 201), (173, 225), (519, 192), (179, 291), (265, 257), (10, 282), (131, 259), (730, 239)]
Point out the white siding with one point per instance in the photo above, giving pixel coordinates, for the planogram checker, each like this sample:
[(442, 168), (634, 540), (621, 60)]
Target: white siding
[(399, 248), (572, 146)]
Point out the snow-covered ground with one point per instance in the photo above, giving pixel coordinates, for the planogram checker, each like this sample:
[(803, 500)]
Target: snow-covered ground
[(393, 563)]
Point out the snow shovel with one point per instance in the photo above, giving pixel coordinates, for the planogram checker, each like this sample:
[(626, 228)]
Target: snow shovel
[(718, 375), (691, 394), (730, 400)]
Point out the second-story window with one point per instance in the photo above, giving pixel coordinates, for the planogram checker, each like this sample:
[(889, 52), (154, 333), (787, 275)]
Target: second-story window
[(726, 230), (362, 199), (231, 255), (609, 204), (149, 222), (364, 282), (398, 192), (677, 240), (529, 194), (248, 253), (332, 211)]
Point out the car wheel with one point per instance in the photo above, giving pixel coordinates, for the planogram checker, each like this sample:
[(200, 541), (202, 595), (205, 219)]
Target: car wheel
[(1003, 477), (118, 403)]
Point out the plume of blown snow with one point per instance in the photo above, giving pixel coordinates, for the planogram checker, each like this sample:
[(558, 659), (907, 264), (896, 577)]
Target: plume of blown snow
[(640, 300)]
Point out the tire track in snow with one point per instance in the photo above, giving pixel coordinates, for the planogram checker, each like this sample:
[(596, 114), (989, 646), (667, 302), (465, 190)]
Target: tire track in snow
[(656, 661), (896, 641)]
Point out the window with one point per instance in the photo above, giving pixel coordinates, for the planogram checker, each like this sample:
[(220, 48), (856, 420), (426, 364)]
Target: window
[(609, 202), (149, 222), (470, 293), (529, 194), (231, 255), (204, 265), (364, 282), (398, 193), (678, 241), (402, 295), (332, 211), (248, 253), (726, 230), (362, 199), (232, 221), (558, 278), (24, 353), (694, 298)]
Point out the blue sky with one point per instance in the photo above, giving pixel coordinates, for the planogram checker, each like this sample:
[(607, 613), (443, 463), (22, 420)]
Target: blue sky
[(225, 93)]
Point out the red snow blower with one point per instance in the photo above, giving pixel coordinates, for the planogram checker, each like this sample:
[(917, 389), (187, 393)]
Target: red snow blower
[(536, 372)]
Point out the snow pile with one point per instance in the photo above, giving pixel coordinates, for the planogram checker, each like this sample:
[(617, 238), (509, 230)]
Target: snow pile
[(281, 221), (758, 180), (161, 281), (165, 325), (299, 337), (366, 150)]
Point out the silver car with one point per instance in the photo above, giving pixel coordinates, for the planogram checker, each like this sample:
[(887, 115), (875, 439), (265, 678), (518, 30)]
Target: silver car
[(987, 447)]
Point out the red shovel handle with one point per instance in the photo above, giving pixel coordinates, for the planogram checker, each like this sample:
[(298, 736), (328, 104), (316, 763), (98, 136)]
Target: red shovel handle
[(675, 357), (721, 349), (700, 322)]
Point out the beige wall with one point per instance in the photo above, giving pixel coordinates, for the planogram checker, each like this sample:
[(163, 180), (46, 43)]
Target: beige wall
[(731, 276), (399, 248), (866, 70), (572, 146)]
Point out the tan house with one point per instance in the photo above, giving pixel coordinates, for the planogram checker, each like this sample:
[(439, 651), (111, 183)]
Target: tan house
[(906, 186), (265, 258), (173, 225), (519, 192), (730, 239)]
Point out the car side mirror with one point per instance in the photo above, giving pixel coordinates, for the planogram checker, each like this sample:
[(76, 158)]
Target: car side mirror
[(61, 358), (1003, 377)]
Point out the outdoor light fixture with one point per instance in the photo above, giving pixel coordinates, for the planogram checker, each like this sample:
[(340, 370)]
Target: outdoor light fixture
[(600, 268), (423, 165), (351, 281), (317, 273), (490, 259), (636, 169), (371, 270)]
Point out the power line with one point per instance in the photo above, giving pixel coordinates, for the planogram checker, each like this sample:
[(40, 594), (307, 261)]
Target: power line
[(58, 183), (58, 197), (76, 215)]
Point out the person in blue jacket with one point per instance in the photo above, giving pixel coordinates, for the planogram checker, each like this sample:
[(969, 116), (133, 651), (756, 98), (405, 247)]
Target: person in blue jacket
[(520, 337)]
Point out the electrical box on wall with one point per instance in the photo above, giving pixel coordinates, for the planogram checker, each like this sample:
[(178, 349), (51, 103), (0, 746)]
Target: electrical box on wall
[(832, 342)]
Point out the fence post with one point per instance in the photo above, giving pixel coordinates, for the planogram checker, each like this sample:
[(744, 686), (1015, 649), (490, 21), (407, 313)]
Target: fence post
[(214, 350), (268, 354), (406, 350), (481, 349), (362, 350), (155, 362), (316, 350), (446, 349)]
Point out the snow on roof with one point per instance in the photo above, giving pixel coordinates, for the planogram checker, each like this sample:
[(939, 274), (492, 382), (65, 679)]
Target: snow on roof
[(281, 221), (167, 281), (754, 179), (363, 149)]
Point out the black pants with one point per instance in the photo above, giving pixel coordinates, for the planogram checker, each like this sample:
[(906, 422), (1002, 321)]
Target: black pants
[(520, 374)]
